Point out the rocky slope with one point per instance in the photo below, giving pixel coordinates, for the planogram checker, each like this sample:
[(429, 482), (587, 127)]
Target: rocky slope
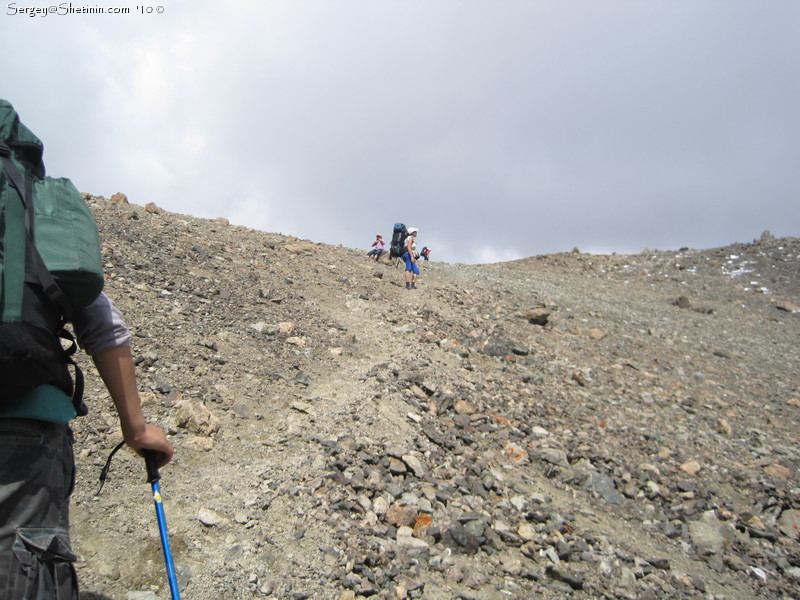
[(566, 425)]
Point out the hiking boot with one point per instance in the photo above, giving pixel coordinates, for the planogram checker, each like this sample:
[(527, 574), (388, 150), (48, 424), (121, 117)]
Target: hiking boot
[(413, 286), (408, 286)]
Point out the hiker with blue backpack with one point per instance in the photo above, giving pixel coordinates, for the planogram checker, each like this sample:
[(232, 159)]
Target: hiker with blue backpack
[(51, 275), (404, 242)]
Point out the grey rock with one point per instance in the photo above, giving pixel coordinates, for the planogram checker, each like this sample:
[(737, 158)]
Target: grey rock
[(553, 456), (707, 534), (789, 523), (603, 486)]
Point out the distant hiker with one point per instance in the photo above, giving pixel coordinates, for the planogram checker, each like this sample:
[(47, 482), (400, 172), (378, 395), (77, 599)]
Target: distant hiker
[(426, 252), (377, 248), (38, 400), (410, 258)]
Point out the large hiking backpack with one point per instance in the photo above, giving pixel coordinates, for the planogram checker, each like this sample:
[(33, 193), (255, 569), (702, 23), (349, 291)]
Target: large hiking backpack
[(398, 245), (50, 264)]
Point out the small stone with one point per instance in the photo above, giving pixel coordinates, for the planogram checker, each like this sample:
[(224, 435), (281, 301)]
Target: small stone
[(698, 583), (538, 432), (706, 534), (475, 580), (691, 467), (682, 302), (461, 538), (787, 306), (597, 334), (367, 589), (516, 453), (538, 316), (209, 518), (660, 563), (789, 524), (560, 574), (402, 515), (454, 575), (512, 565), (422, 525), (415, 464), (465, 407), (141, 596), (778, 471), (242, 411), (553, 456), (196, 417), (409, 584), (397, 466), (735, 562), (380, 505), (604, 486), (203, 444), (263, 328), (406, 539), (756, 522), (475, 527), (724, 427), (527, 532)]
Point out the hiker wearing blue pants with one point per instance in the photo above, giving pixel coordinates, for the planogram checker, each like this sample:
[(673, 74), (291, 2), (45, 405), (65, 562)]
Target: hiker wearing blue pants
[(412, 269), (37, 464)]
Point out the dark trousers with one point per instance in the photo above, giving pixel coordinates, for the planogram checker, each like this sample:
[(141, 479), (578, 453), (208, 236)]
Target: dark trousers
[(37, 475)]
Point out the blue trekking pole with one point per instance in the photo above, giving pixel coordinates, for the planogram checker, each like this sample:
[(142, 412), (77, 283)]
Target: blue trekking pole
[(152, 478)]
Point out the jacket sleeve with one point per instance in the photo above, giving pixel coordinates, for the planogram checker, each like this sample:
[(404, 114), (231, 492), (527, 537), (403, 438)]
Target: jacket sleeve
[(100, 326)]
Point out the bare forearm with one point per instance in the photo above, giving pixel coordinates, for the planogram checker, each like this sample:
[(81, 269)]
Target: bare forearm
[(118, 372)]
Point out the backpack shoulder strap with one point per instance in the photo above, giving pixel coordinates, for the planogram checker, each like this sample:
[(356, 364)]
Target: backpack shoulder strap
[(13, 243)]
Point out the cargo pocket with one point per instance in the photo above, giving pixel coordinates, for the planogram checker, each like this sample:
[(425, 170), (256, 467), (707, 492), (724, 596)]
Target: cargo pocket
[(42, 568)]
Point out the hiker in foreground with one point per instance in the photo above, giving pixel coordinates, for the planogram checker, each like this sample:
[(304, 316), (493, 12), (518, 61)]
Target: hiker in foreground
[(38, 398), (410, 258), (37, 465)]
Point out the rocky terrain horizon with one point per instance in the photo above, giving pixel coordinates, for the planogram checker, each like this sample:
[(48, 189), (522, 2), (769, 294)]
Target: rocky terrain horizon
[(564, 426)]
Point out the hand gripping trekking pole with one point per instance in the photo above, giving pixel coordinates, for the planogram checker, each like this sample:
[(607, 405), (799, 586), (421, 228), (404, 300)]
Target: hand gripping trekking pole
[(152, 478)]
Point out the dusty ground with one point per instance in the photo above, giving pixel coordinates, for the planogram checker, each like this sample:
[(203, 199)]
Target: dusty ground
[(562, 426)]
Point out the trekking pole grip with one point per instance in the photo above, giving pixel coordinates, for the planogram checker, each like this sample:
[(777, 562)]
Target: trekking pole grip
[(150, 463)]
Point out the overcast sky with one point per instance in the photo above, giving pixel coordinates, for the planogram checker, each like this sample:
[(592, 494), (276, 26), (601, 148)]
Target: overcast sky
[(500, 128)]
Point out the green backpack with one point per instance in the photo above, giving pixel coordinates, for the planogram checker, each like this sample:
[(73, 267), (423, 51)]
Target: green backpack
[(50, 265)]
